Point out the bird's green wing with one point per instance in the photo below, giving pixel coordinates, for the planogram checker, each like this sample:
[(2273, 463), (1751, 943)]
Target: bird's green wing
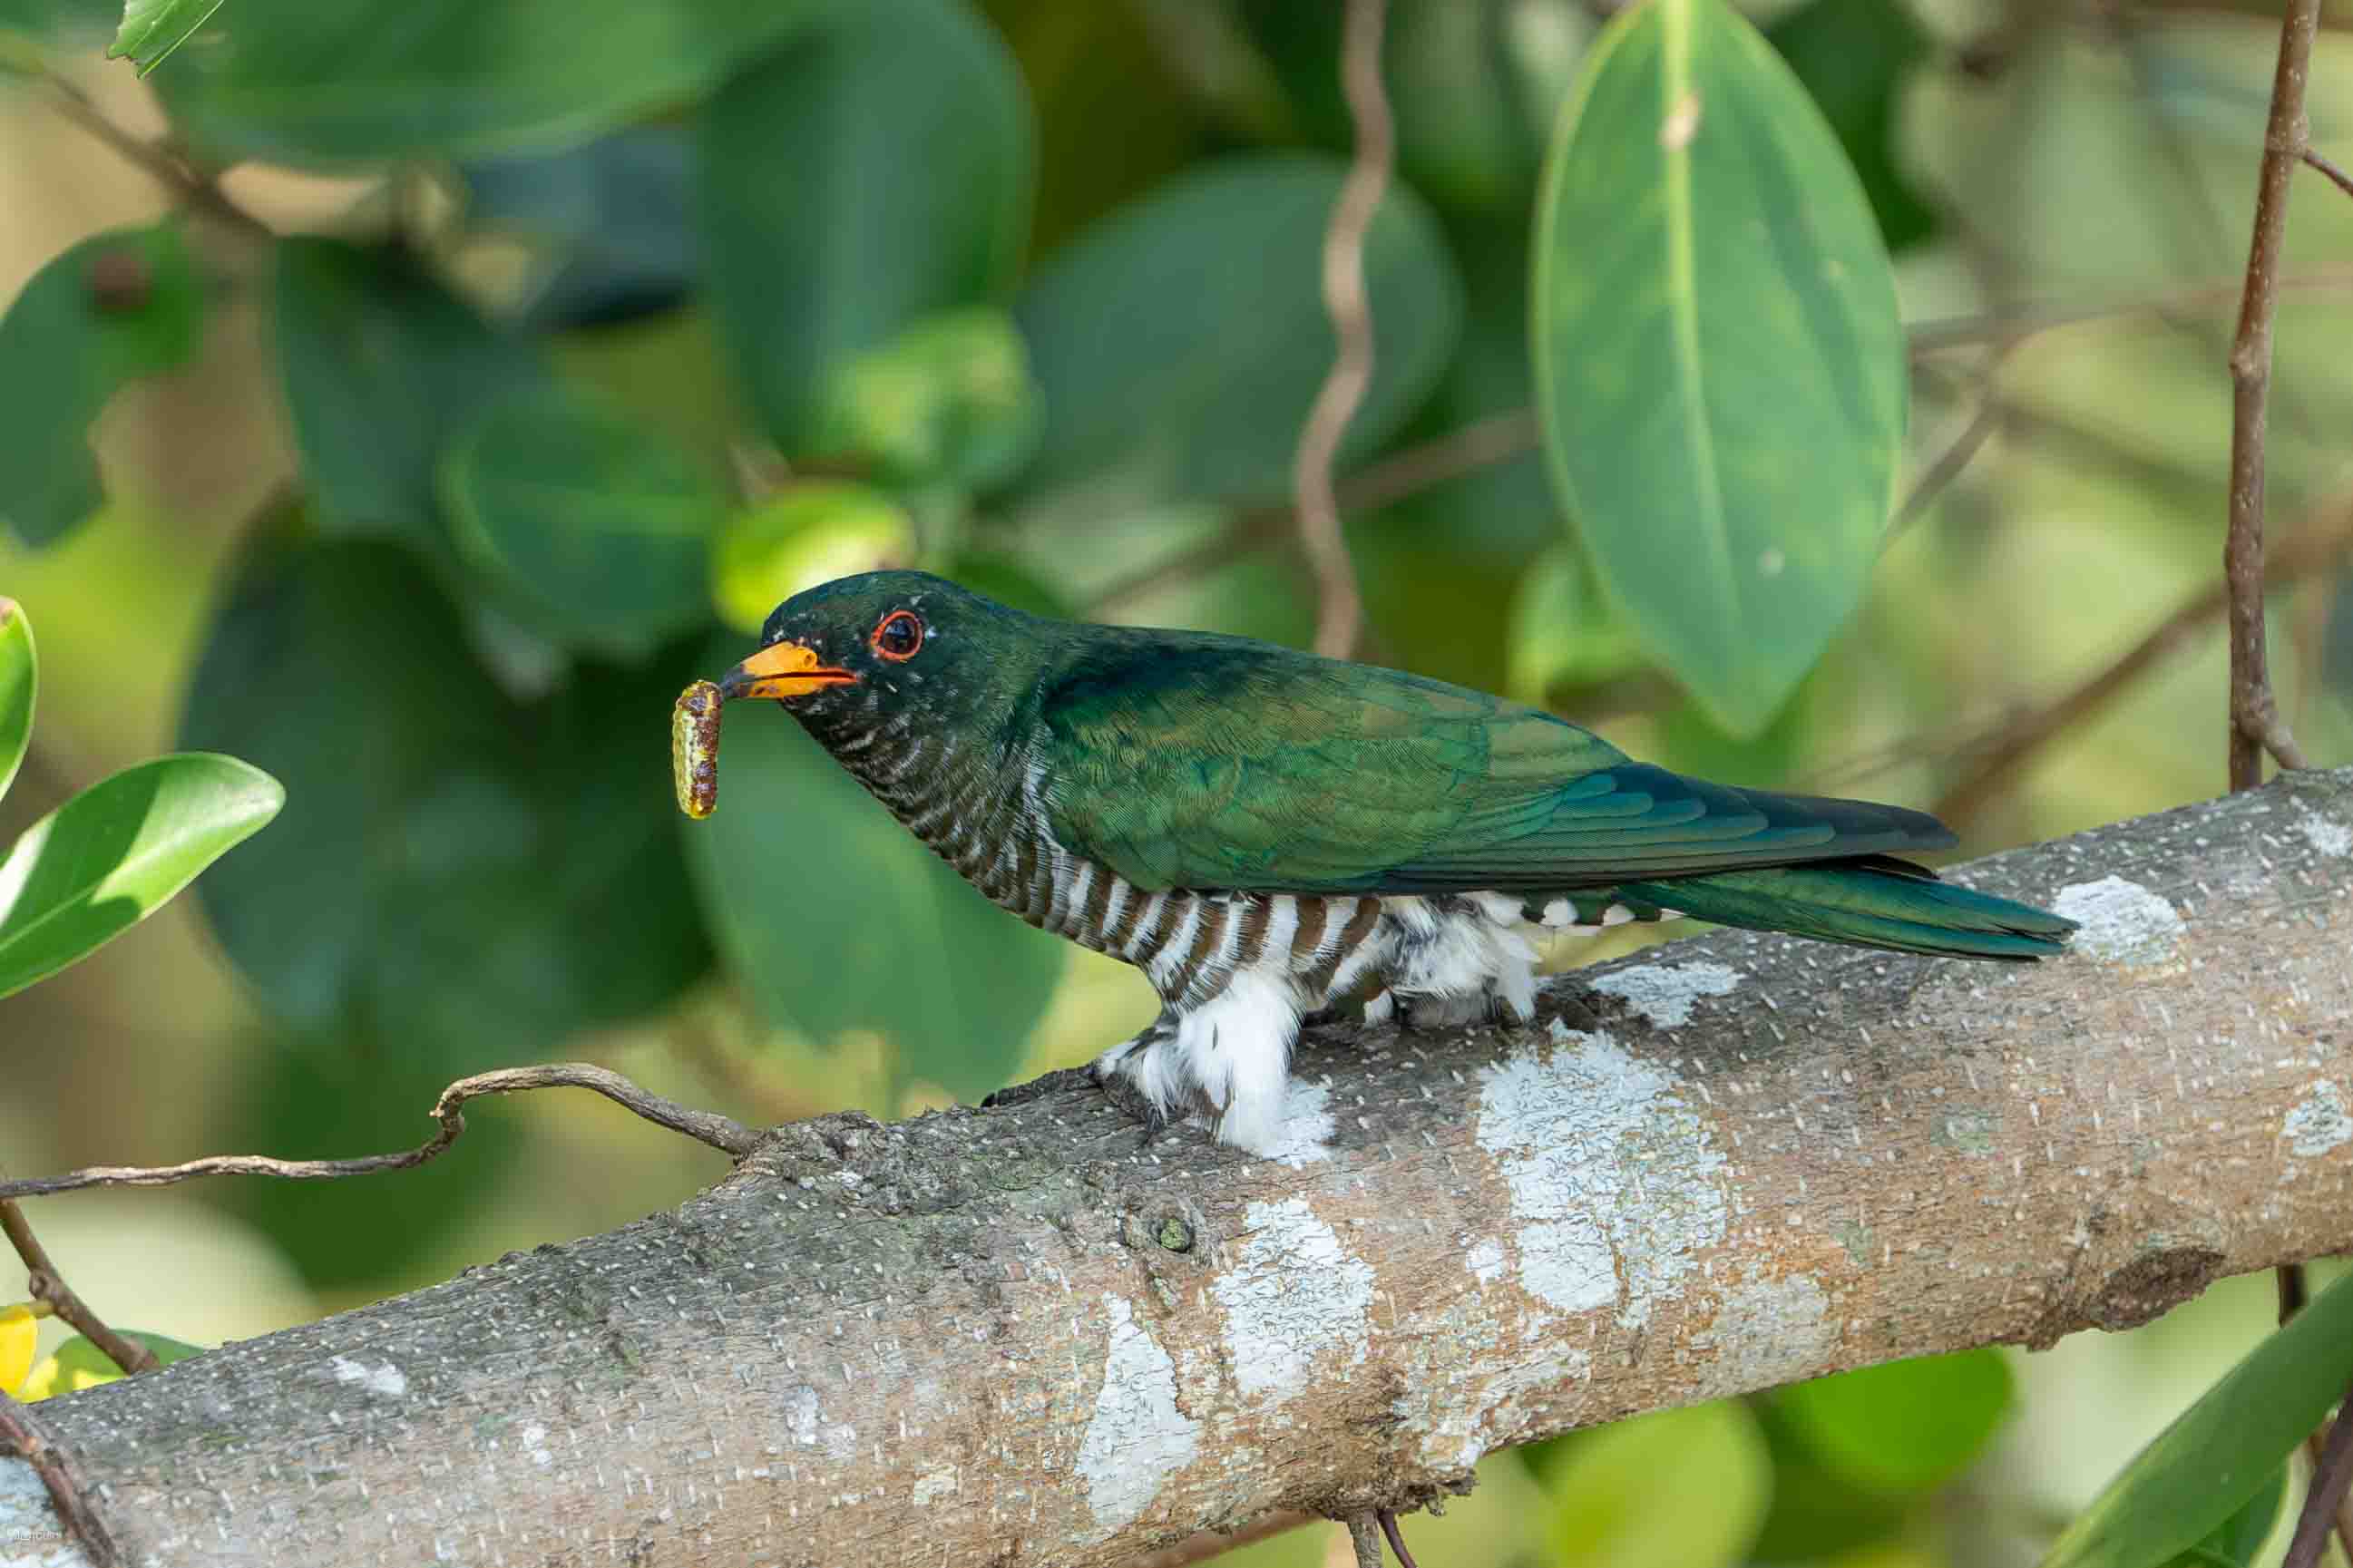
[(1208, 762)]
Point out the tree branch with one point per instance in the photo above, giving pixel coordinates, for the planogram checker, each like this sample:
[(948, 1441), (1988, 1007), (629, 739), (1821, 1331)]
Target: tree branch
[(1339, 604), (1017, 1332)]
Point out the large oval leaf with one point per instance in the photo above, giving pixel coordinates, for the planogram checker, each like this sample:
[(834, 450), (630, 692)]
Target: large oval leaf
[(834, 918), (20, 686), (1905, 1426), (115, 853), (1179, 343), (2223, 1450), (457, 871), (383, 366), (596, 528), (874, 172), (1720, 370), (311, 80), (1687, 1487), (121, 305)]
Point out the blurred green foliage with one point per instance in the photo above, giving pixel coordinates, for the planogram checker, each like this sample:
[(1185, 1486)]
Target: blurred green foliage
[(589, 333)]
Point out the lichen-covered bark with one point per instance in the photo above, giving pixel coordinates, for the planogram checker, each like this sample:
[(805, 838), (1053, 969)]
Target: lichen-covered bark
[(1022, 1335)]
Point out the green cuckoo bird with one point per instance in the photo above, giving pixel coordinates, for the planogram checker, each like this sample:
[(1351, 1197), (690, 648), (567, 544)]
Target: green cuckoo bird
[(1263, 831)]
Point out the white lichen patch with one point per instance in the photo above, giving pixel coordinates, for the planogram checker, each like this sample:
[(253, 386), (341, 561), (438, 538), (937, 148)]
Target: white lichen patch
[(386, 1382), (2317, 1123), (30, 1535), (1485, 1261), (1664, 992), (1768, 1332), (933, 1485), (1137, 1438), (534, 1443), (1613, 1176), (1461, 1424), (1294, 1296), (1304, 1135), (805, 1424), (2333, 840), (2122, 921)]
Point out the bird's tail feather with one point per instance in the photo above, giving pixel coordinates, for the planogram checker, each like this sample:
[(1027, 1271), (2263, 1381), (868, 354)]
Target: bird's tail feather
[(1870, 902)]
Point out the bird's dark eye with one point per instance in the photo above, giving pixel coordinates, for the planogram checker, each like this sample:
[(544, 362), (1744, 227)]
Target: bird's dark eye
[(899, 635)]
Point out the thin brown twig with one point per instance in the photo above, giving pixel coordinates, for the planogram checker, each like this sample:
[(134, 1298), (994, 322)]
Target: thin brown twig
[(721, 1132), (48, 1286), (1340, 605), (2293, 1293), (1939, 475), (1397, 1539), (1925, 339), (2343, 181), (2324, 1496), (22, 1436), (1365, 1536), (2255, 723), (2315, 547), (175, 172)]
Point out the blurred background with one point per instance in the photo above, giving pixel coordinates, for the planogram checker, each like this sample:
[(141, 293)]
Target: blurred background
[(494, 368)]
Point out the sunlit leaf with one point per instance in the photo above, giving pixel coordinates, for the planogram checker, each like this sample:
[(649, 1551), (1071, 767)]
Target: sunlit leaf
[(2223, 1450), (115, 853), (2234, 1543), (311, 81), (20, 1332), (804, 535), (151, 30), (948, 401), (1904, 1425), (123, 304), (1720, 370), (77, 1363), (20, 686), (597, 528), (1179, 342), (874, 172), (1687, 1487)]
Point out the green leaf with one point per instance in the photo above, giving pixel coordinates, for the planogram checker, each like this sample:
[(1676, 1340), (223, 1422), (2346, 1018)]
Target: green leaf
[(833, 917), (115, 853), (1720, 370), (1687, 1487), (383, 367), (874, 172), (1564, 633), (1179, 342), (1905, 1426), (947, 402), (121, 305), (456, 867), (596, 527), (804, 535), (310, 81), (2234, 1543), (20, 687), (611, 223), (151, 30), (2222, 1451)]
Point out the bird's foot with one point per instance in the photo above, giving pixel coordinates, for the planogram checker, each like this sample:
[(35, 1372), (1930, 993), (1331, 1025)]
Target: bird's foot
[(1139, 1076)]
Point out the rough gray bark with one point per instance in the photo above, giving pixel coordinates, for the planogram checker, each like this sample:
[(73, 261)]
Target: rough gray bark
[(1016, 1335)]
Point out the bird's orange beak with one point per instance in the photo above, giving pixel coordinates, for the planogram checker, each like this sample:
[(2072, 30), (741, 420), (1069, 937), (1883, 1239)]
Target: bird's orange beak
[(782, 670)]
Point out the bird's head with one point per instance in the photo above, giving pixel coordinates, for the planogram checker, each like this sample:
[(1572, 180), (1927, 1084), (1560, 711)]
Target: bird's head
[(858, 651)]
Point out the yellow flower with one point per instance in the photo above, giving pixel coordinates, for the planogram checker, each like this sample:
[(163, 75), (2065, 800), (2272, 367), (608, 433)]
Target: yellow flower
[(19, 1330)]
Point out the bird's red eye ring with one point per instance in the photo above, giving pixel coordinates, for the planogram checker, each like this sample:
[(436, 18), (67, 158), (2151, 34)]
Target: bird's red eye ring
[(899, 636)]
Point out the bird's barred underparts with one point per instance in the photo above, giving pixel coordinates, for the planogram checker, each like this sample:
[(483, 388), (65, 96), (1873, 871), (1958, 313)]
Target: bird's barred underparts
[(1236, 971)]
